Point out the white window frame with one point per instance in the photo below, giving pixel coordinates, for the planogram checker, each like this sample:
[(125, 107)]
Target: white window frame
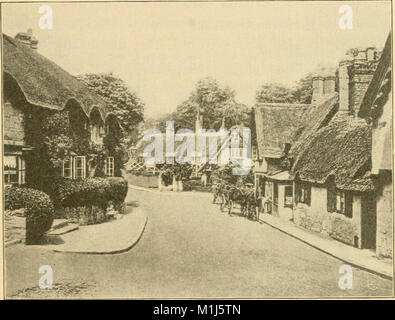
[(8, 172), (82, 167), (70, 160), (21, 170), (109, 166)]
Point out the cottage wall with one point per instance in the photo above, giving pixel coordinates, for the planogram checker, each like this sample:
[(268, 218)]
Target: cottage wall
[(384, 238), (316, 218), (13, 123), (260, 166), (284, 213)]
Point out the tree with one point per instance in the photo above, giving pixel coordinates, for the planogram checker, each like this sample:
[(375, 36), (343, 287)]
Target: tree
[(303, 90), (213, 102), (274, 93), (125, 104)]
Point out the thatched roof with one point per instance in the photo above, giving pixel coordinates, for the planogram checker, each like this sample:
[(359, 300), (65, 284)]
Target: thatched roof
[(375, 94), (341, 149), (315, 117), (275, 125), (43, 82)]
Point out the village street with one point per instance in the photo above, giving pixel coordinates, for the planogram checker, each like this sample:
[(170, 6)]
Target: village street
[(190, 249)]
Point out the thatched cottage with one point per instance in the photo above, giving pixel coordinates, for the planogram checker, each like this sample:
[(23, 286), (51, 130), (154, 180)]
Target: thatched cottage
[(35, 88), (329, 182), (275, 124), (376, 109)]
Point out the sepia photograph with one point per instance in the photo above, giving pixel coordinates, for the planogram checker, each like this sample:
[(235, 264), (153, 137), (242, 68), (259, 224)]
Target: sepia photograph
[(197, 150)]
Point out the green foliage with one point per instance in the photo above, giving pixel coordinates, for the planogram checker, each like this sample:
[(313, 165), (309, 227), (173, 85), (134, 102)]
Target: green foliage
[(214, 102), (39, 210), (177, 170), (277, 93), (90, 192), (303, 90), (226, 174), (274, 93), (118, 189), (124, 103)]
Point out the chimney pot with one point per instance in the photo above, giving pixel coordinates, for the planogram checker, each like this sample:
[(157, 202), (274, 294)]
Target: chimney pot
[(27, 38)]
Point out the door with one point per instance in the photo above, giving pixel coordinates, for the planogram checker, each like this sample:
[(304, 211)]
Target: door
[(368, 221)]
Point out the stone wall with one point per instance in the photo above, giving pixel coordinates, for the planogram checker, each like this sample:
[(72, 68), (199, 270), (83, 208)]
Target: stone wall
[(384, 237), (143, 181), (13, 123), (316, 218)]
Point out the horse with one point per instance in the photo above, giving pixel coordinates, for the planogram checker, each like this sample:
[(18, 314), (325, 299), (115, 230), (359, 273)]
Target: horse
[(217, 189)]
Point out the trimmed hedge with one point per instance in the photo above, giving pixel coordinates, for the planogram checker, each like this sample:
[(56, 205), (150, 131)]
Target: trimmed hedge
[(90, 192), (39, 210)]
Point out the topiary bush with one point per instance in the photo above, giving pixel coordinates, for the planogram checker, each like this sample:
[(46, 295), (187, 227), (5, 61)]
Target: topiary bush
[(39, 210), (90, 192)]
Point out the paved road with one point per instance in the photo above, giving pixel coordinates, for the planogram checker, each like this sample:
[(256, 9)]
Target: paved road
[(190, 249)]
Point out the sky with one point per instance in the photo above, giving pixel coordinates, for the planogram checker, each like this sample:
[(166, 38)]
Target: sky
[(161, 50)]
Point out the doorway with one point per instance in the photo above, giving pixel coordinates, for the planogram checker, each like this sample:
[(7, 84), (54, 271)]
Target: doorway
[(368, 221)]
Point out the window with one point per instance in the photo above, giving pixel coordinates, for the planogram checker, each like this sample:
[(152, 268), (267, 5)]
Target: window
[(79, 167), (254, 153), (10, 169), (344, 200), (21, 170), (101, 131), (67, 171), (14, 170), (288, 191), (304, 193), (340, 202), (331, 197), (109, 167)]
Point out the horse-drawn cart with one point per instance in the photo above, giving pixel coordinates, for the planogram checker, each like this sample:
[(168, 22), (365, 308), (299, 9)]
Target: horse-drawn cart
[(235, 196)]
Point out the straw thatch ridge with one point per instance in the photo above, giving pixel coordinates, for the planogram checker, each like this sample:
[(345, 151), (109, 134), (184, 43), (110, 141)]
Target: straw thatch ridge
[(341, 149), (315, 117), (275, 125), (43, 82)]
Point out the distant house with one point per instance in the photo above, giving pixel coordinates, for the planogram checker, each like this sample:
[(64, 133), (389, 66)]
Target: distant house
[(322, 175), (211, 153), (35, 87)]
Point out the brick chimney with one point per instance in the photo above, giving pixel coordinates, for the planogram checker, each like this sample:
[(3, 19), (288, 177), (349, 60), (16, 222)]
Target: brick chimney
[(27, 38), (355, 73), (323, 85)]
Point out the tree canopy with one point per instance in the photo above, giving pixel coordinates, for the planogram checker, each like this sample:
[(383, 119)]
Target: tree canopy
[(278, 93), (214, 102), (124, 103)]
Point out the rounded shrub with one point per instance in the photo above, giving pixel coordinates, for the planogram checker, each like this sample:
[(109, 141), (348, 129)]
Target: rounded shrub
[(39, 210), (90, 192)]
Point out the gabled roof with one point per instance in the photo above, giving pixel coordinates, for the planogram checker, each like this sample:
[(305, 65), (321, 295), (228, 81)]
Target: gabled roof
[(341, 149), (377, 92), (315, 117), (43, 82), (275, 125)]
